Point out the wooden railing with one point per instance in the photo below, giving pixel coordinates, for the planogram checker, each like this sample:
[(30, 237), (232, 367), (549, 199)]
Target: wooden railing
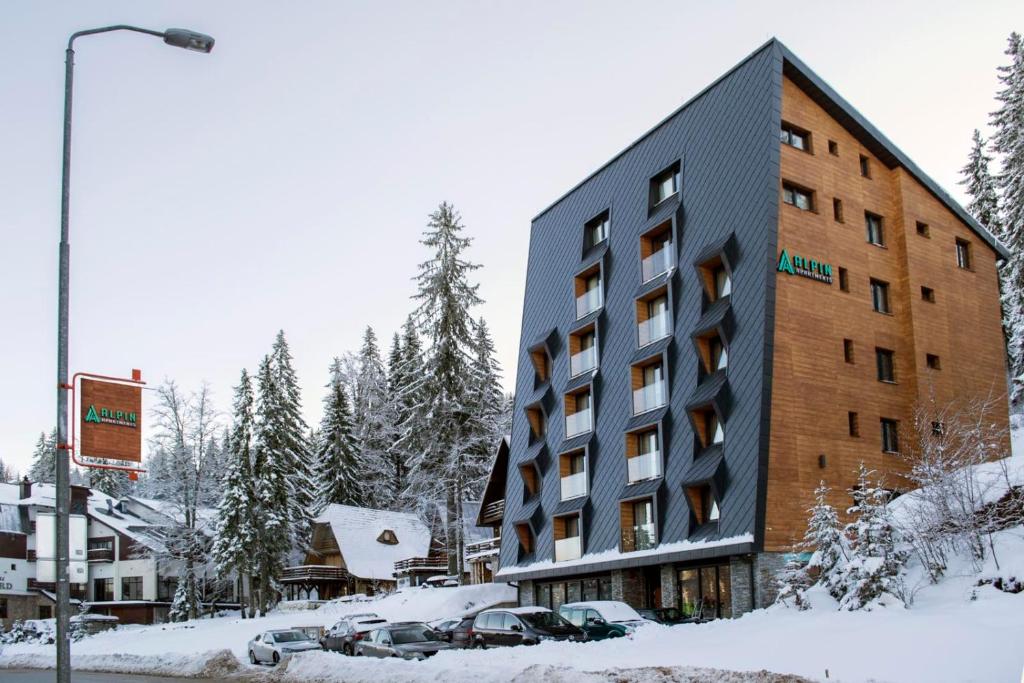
[(487, 545), (101, 554), (434, 562), (493, 512), (314, 572)]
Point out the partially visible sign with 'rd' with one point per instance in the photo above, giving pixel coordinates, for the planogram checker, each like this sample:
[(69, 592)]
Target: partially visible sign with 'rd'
[(111, 420)]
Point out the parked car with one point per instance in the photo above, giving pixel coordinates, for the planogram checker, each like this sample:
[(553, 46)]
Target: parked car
[(273, 646), (408, 640), (343, 636), (603, 618), (521, 626), (440, 581), (456, 631), (664, 615)]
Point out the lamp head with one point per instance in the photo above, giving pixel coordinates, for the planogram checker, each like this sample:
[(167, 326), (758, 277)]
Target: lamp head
[(190, 40)]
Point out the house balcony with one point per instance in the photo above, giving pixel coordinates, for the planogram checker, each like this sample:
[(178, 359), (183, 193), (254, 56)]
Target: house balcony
[(577, 423), (639, 537), (583, 361), (493, 512), (653, 329), (101, 554), (568, 549), (431, 563), (481, 549), (308, 573), (649, 397), (588, 302), (574, 485), (644, 466), (657, 263)]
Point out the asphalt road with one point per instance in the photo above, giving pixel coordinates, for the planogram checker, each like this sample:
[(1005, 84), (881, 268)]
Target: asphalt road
[(48, 676)]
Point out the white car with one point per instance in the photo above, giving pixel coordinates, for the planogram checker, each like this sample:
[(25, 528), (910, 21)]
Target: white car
[(273, 646)]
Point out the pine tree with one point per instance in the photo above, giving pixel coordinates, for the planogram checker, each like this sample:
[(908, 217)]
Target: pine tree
[(273, 467), (443, 471), (292, 448), (114, 483), (877, 557), (372, 426), (1008, 140), (981, 186), (340, 478), (487, 404), (824, 538), (44, 459), (407, 400), (235, 537), (396, 455), (7, 472)]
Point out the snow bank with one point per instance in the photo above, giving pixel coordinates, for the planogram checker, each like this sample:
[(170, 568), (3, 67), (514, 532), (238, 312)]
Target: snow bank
[(212, 664)]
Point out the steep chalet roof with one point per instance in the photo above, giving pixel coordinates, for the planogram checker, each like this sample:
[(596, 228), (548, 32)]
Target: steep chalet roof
[(847, 116), (357, 529)]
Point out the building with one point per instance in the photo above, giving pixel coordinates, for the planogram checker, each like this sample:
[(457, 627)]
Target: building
[(751, 298), (120, 572), (482, 556), (354, 550)]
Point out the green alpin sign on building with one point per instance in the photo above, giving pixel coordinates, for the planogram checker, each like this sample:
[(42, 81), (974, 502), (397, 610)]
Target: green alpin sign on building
[(804, 267), (113, 417)]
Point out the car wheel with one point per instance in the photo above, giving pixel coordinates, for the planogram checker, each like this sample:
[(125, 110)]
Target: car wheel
[(277, 658), (347, 650), (480, 644), (252, 658)]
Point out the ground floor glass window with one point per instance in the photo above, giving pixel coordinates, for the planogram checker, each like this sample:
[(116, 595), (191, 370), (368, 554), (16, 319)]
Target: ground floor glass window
[(705, 592), (554, 594)]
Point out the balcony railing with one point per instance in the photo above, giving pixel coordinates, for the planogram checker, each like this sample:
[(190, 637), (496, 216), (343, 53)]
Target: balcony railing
[(644, 466), (577, 423), (657, 263), (654, 328), (493, 512), (568, 549), (574, 486), (487, 547), (429, 563), (314, 572), (101, 554), (639, 537), (588, 302), (583, 361), (649, 397)]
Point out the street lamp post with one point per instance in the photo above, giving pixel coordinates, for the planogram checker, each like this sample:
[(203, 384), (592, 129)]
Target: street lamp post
[(179, 38)]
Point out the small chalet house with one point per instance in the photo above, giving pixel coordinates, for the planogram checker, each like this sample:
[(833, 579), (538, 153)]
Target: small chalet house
[(354, 550)]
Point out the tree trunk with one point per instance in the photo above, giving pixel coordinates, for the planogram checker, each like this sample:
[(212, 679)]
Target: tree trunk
[(451, 534)]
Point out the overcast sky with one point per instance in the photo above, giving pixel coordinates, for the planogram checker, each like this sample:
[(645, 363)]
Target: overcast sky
[(283, 181)]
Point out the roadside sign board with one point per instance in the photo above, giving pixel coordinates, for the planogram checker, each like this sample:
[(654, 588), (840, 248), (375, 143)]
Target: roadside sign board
[(110, 417)]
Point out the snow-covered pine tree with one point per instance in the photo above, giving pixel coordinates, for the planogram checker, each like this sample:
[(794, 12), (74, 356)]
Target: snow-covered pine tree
[(487, 402), (373, 430), (44, 459), (292, 448), (407, 385), (7, 472), (443, 472), (981, 186), (341, 479), (273, 466), (235, 537), (824, 538), (396, 455), (114, 483), (877, 557), (1008, 141)]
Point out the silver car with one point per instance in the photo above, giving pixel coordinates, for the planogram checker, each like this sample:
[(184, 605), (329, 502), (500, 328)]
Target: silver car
[(273, 646), (408, 640)]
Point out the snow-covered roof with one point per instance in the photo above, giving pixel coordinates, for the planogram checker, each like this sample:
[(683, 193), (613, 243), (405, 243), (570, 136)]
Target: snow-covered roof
[(357, 529), (9, 494), (532, 609), (207, 516)]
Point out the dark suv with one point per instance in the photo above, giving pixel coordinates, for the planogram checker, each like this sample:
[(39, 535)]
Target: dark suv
[(521, 626)]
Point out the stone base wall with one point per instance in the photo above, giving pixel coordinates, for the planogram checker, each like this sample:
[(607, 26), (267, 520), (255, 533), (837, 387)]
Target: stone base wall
[(527, 594), (766, 569), (628, 586), (669, 586), (22, 607)]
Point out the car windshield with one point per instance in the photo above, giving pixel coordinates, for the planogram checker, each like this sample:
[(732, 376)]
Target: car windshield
[(412, 634), (543, 619), (290, 637), (670, 613)]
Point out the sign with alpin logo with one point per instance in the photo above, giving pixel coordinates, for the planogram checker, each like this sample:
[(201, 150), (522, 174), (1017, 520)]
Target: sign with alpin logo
[(111, 420)]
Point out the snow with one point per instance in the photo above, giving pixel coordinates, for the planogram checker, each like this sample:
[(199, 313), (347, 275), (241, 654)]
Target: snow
[(10, 520), (356, 530), (610, 610), (613, 554), (523, 610)]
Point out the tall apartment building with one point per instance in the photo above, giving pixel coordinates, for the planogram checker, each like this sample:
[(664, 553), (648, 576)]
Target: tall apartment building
[(749, 299)]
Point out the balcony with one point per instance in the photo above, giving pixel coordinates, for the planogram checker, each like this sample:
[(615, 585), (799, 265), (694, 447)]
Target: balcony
[(657, 263), (493, 512), (486, 548), (568, 549), (574, 485), (644, 466), (654, 329), (588, 302), (101, 554), (577, 423), (436, 563), (583, 361), (639, 537), (313, 572), (649, 397)]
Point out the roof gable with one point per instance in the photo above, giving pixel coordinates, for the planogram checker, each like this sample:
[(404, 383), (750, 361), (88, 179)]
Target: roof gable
[(358, 533)]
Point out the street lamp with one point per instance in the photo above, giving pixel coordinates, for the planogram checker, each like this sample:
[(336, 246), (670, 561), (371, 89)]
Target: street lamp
[(177, 37)]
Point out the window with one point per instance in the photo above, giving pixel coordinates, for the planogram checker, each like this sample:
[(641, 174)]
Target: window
[(538, 423), (664, 185), (587, 286), (654, 321), (656, 253), (880, 296), (649, 387), (103, 590), (848, 350), (705, 592), (844, 279), (541, 365), (723, 283), (837, 209), (131, 588), (45, 611), (573, 474), (595, 230), (578, 415), (388, 537), (933, 361), (928, 294), (885, 365), (890, 436), (703, 503), (795, 137), (963, 254), (582, 351), (525, 536), (567, 538), (922, 229), (865, 166), (637, 525), (718, 356), (798, 197), (854, 423), (873, 225), (708, 427), (833, 148)]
